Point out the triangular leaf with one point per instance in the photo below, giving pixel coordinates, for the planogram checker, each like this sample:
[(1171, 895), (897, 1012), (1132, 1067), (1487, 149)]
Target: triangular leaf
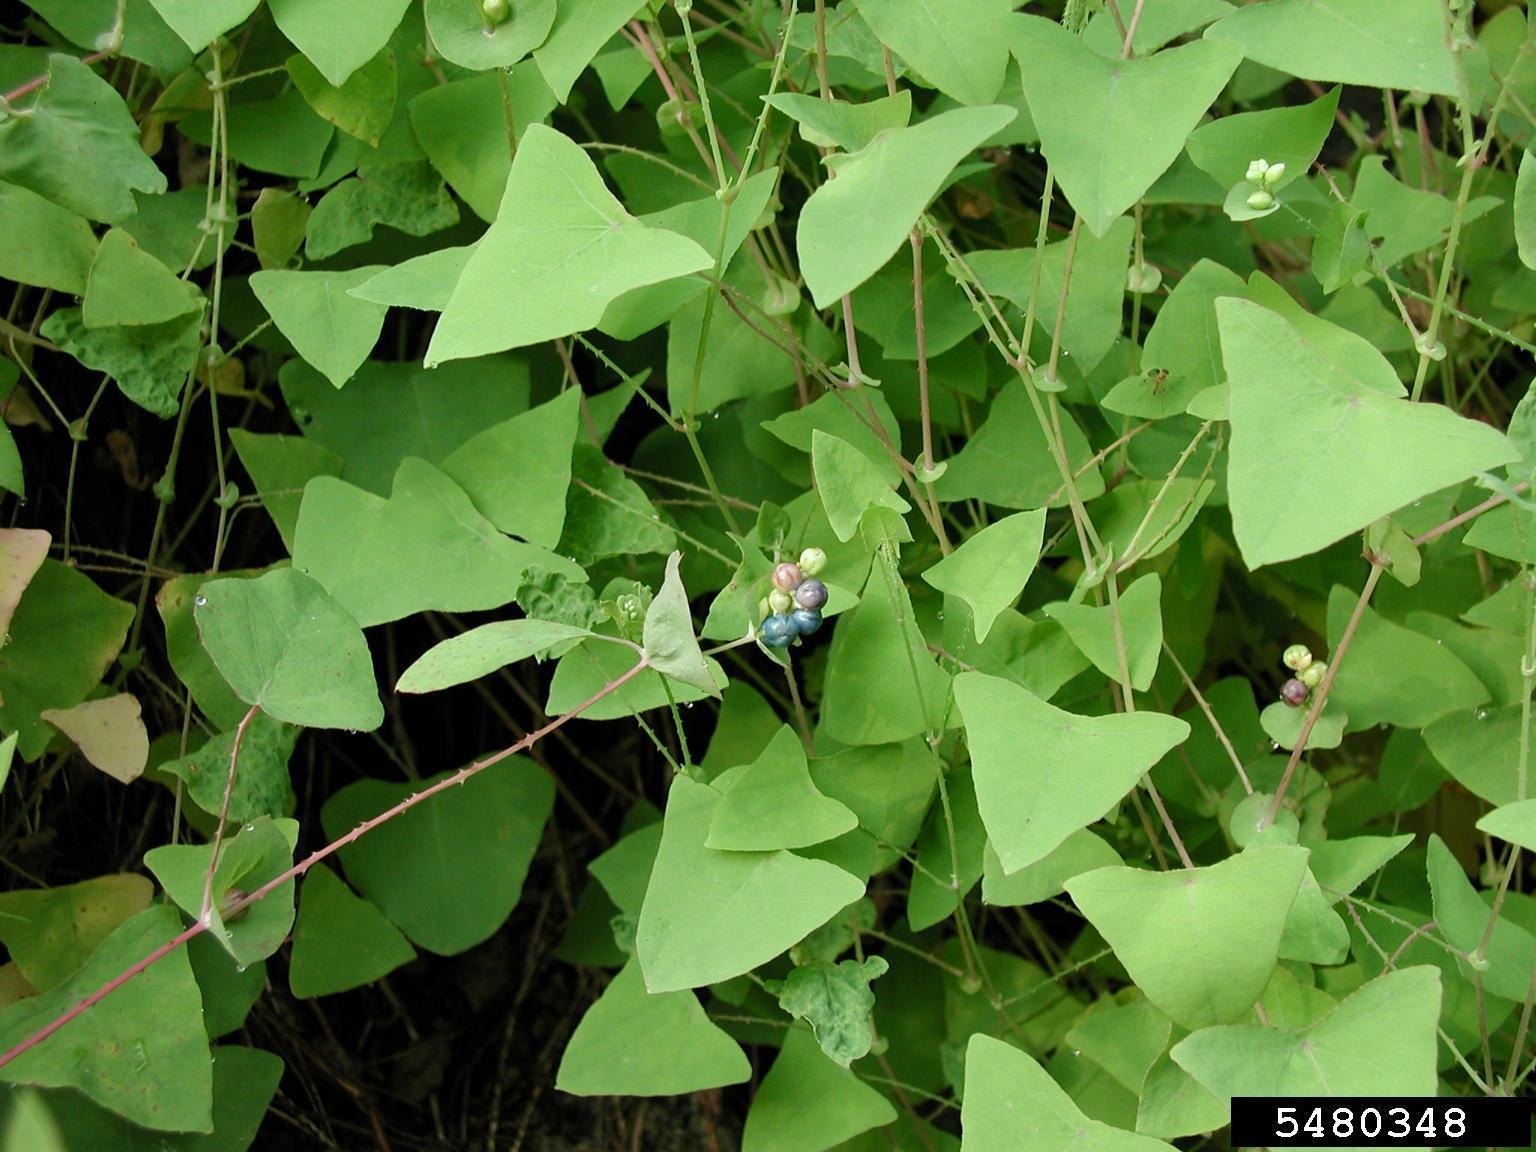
[(327, 326), (670, 644), (775, 804), (338, 36), (807, 1103), (340, 940), (1073, 769), (1093, 630), (990, 569), (483, 650), (849, 484)]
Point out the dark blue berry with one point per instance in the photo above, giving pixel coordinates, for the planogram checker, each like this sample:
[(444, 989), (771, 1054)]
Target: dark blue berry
[(805, 620), (811, 594), (778, 630)]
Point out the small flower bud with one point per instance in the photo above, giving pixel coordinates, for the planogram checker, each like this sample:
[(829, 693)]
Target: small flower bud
[(1296, 657), (1261, 201), (1274, 174), (1256, 170)]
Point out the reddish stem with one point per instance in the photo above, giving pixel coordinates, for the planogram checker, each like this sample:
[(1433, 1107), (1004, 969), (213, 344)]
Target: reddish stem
[(37, 82), (201, 926)]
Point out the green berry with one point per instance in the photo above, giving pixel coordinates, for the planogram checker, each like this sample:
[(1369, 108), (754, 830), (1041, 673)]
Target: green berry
[(495, 11), (1261, 201), (812, 562), (1312, 675), (1296, 657), (780, 602)]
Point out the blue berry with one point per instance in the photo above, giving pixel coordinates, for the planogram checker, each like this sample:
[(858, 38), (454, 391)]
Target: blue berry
[(805, 620), (778, 630), (811, 594)]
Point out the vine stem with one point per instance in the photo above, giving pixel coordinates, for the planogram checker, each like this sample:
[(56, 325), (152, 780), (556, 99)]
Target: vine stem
[(229, 791), (1320, 697), (201, 925)]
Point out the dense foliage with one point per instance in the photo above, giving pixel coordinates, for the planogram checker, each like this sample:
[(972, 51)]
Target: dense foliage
[(905, 573)]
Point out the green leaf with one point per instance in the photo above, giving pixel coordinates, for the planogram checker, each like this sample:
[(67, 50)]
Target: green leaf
[(870, 695), (262, 786), (22, 552), (670, 644), (525, 498), (853, 224), (562, 247), (1341, 866), (608, 514), (280, 466), (1525, 210), (260, 852), (50, 932), (395, 187), (1481, 749), (78, 145), (1290, 403), (1013, 1105), (340, 940), (950, 864), (287, 647), (1111, 127), (1093, 630), (462, 126), (834, 124), (635, 1043), (775, 804), (460, 32), (578, 35), (1347, 42), (1394, 675), (426, 547), (128, 286), (142, 1051), (1095, 301), (200, 22), (1462, 913), (31, 1127), (338, 36), (63, 637), (149, 362), (1200, 942), (1292, 136), (587, 668), (423, 282), (1009, 463), (176, 602), (483, 650), (390, 411), (712, 915), (42, 244), (1080, 852), (1077, 767), (1379, 1041), (1513, 823), (990, 569), (414, 866), (329, 328), (807, 1103), (278, 219), (835, 1000), (958, 46), (362, 107), (849, 485)]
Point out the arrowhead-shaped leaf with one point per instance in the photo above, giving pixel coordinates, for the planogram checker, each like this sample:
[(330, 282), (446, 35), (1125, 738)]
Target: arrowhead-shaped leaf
[(775, 804)]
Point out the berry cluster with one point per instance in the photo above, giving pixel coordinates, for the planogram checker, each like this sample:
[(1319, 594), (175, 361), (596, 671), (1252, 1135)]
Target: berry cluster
[(794, 606), (1265, 176), (1309, 674)]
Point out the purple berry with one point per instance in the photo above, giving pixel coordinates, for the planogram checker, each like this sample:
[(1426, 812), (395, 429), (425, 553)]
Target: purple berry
[(786, 577), (1294, 693), (778, 630), (811, 594), (805, 620)]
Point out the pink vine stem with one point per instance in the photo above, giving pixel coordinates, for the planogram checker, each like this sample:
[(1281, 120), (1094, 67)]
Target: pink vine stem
[(303, 866)]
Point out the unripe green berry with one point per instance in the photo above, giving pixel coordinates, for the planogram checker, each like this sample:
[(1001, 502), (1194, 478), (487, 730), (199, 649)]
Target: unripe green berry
[(1261, 201), (812, 562), (1274, 174), (780, 601), (1296, 657), (1312, 674), (1256, 170), (495, 11)]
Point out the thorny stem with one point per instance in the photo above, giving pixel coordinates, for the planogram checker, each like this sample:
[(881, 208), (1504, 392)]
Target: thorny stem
[(303, 866)]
